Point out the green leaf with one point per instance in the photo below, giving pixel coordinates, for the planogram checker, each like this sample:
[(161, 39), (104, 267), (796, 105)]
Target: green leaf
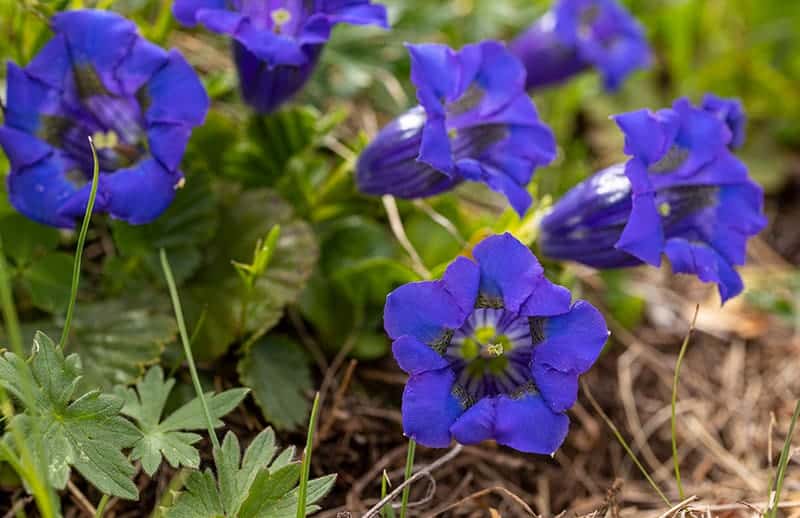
[(48, 280), (66, 426), (117, 339), (24, 239), (188, 223), (169, 438), (247, 217), (249, 487), (276, 369)]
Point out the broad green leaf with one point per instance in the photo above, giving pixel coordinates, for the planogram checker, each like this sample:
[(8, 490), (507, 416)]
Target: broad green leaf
[(117, 339), (170, 438), (69, 427), (277, 371), (250, 487), (247, 217), (48, 280), (187, 225), (24, 239)]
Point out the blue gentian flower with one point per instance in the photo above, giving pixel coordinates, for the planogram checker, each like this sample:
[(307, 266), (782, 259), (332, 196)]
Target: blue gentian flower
[(683, 194), (474, 122), (493, 350), (579, 34), (97, 77), (276, 42)]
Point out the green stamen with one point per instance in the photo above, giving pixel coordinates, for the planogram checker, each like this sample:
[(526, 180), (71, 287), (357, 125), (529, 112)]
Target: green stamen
[(664, 209), (280, 17)]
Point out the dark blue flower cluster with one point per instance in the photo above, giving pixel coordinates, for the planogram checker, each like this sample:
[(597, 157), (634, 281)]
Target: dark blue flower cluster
[(494, 350), (474, 122), (276, 42), (97, 77), (682, 194), (578, 34)]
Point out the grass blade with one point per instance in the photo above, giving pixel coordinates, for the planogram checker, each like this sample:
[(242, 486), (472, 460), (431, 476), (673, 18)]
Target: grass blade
[(673, 419), (306, 472)]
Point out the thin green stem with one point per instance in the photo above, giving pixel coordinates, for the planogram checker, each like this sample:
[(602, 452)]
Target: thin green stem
[(101, 506), (76, 267), (9, 309), (674, 420), (387, 511), (623, 443), (412, 448), (783, 463), (302, 490), (187, 348)]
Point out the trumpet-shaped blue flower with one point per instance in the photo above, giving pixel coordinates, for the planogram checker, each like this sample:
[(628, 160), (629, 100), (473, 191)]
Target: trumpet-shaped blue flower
[(493, 349), (579, 34), (683, 194), (276, 42), (474, 122), (98, 78)]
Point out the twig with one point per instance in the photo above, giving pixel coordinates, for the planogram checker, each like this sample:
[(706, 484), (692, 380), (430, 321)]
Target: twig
[(399, 232), (18, 506), (419, 474), (481, 493), (677, 507), (81, 499)]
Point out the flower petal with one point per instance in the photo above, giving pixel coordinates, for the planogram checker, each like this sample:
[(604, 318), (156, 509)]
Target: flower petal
[(40, 190), (703, 261), (477, 423), (176, 95), (430, 408), (140, 194), (572, 341), (509, 270), (415, 357), (424, 310), (527, 424), (185, 11), (558, 389)]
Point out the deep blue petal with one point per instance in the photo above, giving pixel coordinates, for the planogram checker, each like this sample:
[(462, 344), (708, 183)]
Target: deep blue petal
[(509, 270), (527, 424), (703, 261), (732, 112), (558, 389), (140, 194), (477, 423), (430, 408), (97, 38), (572, 341), (185, 11), (546, 299), (144, 60), (39, 192), (415, 357), (424, 310), (176, 94), (461, 279), (643, 236), (21, 149), (265, 88), (168, 142)]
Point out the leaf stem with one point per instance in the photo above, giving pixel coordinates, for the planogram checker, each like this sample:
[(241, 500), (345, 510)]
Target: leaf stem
[(412, 449), (673, 419), (623, 443), (187, 348), (775, 498), (76, 266), (302, 490), (101, 506)]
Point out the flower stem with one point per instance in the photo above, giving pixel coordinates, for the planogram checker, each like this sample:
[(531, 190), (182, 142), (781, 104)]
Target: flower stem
[(673, 420), (76, 266), (187, 348), (412, 448), (302, 490)]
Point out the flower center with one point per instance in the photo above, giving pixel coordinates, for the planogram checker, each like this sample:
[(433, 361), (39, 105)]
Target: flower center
[(491, 353), (280, 17), (116, 125)]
